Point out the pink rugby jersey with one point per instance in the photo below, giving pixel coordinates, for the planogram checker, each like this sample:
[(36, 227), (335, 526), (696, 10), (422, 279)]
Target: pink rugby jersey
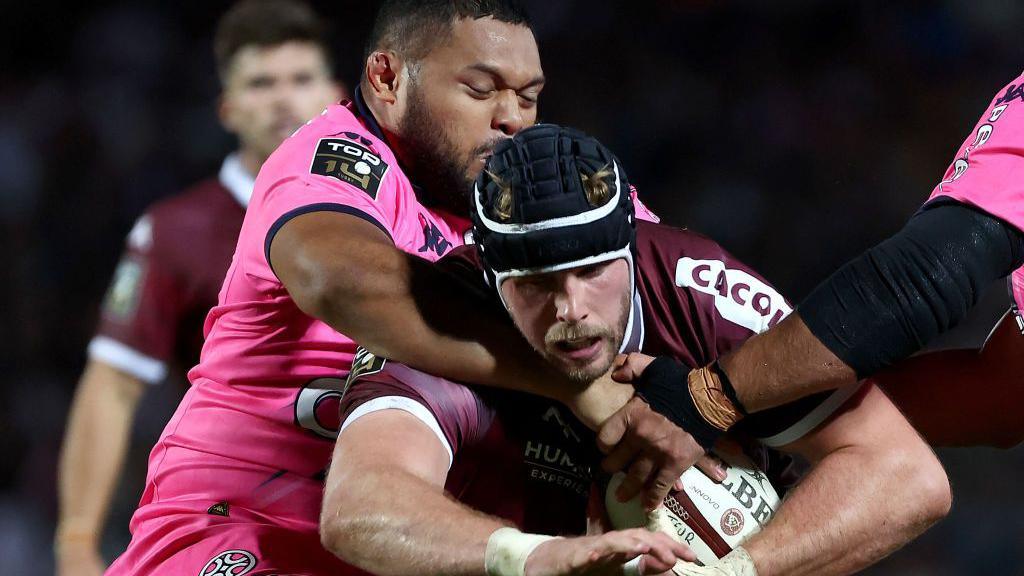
[(256, 429), (988, 171)]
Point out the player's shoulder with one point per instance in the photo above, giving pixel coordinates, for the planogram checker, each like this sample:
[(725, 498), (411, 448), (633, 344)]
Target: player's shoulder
[(181, 220), (663, 243), (337, 146), (205, 202), (196, 200), (677, 261)]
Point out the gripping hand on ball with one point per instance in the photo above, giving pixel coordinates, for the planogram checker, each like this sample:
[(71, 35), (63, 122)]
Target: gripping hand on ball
[(655, 447), (736, 563)]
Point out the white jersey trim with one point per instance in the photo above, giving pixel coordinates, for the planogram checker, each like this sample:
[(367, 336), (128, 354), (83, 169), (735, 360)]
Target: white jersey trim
[(406, 405), (127, 359), (237, 179), (814, 418)]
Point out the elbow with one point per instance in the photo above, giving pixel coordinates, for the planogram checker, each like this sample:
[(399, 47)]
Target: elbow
[(938, 495), (336, 529), (927, 495), (340, 530)]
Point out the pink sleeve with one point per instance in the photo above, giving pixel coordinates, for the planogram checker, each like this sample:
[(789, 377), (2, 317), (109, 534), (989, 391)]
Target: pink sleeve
[(305, 175), (988, 170)]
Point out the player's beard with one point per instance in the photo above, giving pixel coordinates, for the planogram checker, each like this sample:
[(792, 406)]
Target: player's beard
[(435, 165), (611, 340)]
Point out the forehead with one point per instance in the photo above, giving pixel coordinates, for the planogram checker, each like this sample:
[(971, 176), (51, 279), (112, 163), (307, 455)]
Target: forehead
[(508, 49), (277, 59), (614, 268)]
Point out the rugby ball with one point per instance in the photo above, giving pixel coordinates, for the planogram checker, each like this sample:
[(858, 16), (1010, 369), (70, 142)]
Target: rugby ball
[(710, 518)]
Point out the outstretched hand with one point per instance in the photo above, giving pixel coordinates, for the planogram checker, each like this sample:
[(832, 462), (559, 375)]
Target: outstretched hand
[(607, 554)]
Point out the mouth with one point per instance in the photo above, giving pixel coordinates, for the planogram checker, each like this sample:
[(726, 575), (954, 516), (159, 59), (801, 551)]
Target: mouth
[(579, 349)]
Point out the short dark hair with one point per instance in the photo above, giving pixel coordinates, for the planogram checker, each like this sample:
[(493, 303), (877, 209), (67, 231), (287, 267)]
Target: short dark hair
[(414, 27), (266, 23)]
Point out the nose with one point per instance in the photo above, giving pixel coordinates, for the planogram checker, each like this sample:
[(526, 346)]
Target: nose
[(508, 116), (570, 305)]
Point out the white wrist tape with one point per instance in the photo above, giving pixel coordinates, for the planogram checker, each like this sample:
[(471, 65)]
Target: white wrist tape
[(508, 549), (735, 563)]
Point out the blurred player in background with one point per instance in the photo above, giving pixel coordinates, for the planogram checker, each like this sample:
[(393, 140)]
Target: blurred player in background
[(558, 239), (275, 70)]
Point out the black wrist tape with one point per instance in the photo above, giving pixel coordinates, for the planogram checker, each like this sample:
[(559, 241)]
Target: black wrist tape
[(663, 385)]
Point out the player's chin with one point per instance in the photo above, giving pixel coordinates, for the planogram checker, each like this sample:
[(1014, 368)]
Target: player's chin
[(583, 370), (475, 166)]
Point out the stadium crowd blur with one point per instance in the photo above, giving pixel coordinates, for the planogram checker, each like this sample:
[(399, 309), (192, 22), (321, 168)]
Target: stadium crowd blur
[(796, 132)]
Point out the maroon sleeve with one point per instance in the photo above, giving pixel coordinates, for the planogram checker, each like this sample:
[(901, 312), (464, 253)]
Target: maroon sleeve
[(141, 311), (460, 413)]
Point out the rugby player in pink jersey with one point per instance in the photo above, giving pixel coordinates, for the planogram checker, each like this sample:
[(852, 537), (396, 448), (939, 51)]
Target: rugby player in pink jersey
[(275, 72), (889, 303), (340, 214), (581, 281)]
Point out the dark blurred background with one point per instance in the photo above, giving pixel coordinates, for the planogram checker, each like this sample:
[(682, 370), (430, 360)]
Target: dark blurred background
[(795, 132)]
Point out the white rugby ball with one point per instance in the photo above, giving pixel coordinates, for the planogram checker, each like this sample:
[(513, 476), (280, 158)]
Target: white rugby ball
[(710, 518)]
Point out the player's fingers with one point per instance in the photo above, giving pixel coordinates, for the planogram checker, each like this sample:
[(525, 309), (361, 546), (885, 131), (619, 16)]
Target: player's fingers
[(633, 366), (712, 467), (664, 553), (629, 542), (620, 456), (613, 550), (680, 551), (661, 482), (637, 477), (661, 557), (675, 456)]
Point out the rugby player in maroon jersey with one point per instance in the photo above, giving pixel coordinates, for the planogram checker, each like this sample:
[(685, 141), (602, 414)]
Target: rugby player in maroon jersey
[(582, 282), (275, 70)]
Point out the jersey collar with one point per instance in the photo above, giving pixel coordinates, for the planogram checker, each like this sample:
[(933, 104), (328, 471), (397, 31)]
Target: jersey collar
[(366, 115), (237, 179), (634, 338)]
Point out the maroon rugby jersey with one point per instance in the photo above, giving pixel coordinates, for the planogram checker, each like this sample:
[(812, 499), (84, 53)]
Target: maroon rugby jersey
[(169, 276), (527, 459)]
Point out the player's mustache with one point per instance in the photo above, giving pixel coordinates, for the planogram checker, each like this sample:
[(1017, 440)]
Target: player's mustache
[(566, 331), (488, 146)]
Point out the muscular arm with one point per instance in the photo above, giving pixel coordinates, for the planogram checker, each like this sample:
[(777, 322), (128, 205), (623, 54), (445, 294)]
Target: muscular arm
[(95, 444), (879, 308), (385, 511), (874, 486), (345, 271), (384, 504)]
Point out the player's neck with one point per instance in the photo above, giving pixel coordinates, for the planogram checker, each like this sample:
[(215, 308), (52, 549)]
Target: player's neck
[(251, 160)]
